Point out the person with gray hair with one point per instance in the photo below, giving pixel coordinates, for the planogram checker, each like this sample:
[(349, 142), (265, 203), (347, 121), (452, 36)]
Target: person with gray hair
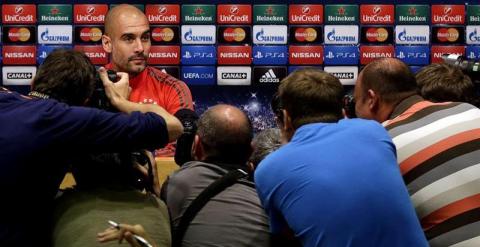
[(264, 143)]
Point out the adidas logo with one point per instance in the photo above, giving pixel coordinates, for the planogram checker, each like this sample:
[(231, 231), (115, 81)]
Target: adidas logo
[(269, 77)]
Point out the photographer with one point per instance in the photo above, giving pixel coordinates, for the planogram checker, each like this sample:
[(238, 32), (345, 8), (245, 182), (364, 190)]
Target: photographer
[(41, 134)]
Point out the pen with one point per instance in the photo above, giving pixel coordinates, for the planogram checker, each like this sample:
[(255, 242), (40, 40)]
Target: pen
[(143, 242)]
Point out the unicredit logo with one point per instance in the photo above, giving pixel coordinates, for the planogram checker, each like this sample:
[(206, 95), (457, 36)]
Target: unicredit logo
[(234, 10), (190, 37), (268, 38), (403, 36), (46, 37), (18, 10), (333, 37)]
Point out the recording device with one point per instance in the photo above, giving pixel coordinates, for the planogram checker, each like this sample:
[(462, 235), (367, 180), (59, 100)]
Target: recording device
[(99, 99), (141, 241), (183, 151), (469, 67), (349, 104)]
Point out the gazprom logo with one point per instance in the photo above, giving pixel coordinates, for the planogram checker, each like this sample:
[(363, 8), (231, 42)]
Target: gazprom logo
[(198, 34), (412, 34), (473, 35), (270, 34), (54, 38), (55, 34), (341, 34)]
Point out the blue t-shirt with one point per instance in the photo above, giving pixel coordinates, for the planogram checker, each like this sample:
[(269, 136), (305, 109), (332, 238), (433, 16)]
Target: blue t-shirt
[(37, 139), (338, 184)]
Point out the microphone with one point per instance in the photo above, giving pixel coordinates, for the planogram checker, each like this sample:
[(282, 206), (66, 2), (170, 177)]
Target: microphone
[(183, 151)]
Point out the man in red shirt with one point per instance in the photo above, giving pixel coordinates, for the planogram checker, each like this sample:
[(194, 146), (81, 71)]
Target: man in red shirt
[(127, 39)]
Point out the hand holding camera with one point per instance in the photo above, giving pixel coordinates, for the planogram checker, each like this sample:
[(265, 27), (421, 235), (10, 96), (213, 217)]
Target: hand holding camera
[(116, 91)]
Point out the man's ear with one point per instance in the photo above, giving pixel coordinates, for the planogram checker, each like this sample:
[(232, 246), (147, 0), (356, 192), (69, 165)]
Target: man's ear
[(107, 43), (197, 149), (373, 100), (287, 130)]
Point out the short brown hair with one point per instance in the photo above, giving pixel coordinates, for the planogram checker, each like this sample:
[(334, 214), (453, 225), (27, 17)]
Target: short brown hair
[(390, 78), (440, 82), (311, 95), (67, 76)]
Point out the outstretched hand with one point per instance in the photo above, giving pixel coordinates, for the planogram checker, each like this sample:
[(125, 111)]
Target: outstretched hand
[(124, 232)]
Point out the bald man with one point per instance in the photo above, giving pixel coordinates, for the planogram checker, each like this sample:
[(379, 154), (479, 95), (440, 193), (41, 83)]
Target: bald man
[(438, 150), (127, 39), (234, 217)]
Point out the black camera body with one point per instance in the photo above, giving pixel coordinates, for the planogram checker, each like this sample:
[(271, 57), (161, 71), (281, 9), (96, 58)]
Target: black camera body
[(99, 99), (469, 67)]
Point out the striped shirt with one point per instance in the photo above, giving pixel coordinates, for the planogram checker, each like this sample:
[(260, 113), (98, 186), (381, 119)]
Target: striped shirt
[(438, 150)]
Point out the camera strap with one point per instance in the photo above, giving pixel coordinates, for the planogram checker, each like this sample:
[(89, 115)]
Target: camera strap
[(228, 179)]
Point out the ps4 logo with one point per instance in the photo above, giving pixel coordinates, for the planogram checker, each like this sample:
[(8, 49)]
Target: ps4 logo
[(332, 55), (260, 55), (43, 55), (402, 55), (193, 55)]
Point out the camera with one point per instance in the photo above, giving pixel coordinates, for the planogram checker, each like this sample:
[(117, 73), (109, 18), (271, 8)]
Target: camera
[(469, 67), (99, 99)]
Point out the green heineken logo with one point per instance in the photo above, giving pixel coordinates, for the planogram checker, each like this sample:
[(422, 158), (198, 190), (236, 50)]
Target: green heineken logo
[(195, 13), (473, 14), (270, 14), (412, 14), (345, 13), (54, 13)]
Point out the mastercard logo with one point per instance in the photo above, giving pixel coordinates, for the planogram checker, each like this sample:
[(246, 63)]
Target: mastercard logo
[(234, 34), (19, 34), (448, 34), (305, 34), (163, 34), (93, 34), (376, 34)]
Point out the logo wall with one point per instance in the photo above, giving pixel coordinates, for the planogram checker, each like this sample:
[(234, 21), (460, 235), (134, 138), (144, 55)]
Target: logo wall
[(198, 14), (368, 53), (88, 34), (270, 34), (341, 13), (198, 55), (413, 55), (473, 35), (473, 52), (19, 14), (341, 55), (230, 76), (198, 75), (89, 13), (275, 55), (305, 14), (341, 34), (44, 50), (265, 75), (376, 14), (234, 14), (19, 34), (377, 35), (412, 14), (165, 34), (234, 54), (55, 13), (96, 53), (437, 51), (450, 35), (448, 14), (305, 34), (412, 34), (270, 14), (346, 74), (198, 34), (306, 54), (13, 54), (163, 13), (234, 34), (164, 54)]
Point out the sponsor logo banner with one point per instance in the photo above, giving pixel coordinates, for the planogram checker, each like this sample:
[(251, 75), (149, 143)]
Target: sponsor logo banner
[(275, 55), (198, 34), (163, 13), (19, 34), (270, 34), (234, 34), (413, 55), (164, 54), (88, 34), (473, 14), (448, 14), (270, 14), (229, 76), (306, 34), (341, 55), (89, 13), (341, 14), (171, 70), (165, 35), (44, 50), (411, 35), (55, 34), (139, 6), (234, 14), (377, 35), (18, 75), (96, 53), (305, 14), (198, 75), (306, 54), (199, 55), (346, 74), (341, 34), (415, 69), (198, 14), (265, 75), (293, 68), (19, 54), (438, 50), (473, 52), (449, 35), (412, 14), (19, 14), (473, 35), (376, 14), (234, 54), (54, 13), (369, 53)]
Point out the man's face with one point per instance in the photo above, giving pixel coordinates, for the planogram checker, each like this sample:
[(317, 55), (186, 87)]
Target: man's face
[(129, 43), (362, 109)]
